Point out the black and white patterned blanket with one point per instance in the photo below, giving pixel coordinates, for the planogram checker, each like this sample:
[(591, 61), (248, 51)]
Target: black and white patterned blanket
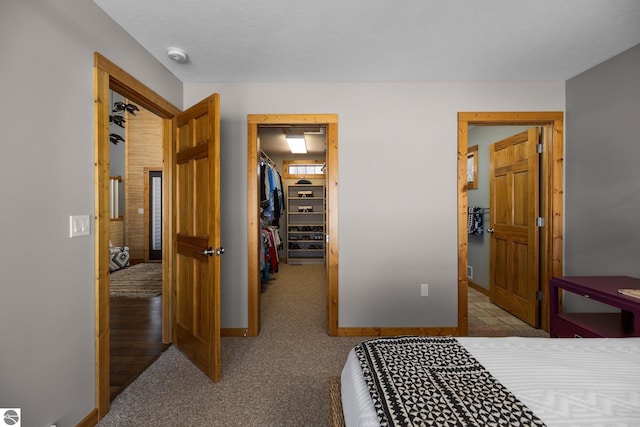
[(435, 381)]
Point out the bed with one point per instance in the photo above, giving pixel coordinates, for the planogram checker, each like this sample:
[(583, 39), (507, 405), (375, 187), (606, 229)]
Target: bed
[(538, 381)]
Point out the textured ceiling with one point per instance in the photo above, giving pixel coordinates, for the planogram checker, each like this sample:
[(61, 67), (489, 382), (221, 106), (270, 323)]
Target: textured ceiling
[(380, 40)]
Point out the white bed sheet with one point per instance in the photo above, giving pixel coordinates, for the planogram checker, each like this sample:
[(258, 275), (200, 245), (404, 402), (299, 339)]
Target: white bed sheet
[(564, 381)]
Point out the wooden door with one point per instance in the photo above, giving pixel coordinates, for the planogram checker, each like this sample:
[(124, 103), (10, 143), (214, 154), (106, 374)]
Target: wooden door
[(514, 186), (197, 235)]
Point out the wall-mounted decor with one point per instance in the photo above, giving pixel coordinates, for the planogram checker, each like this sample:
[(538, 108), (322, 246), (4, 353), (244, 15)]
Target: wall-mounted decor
[(472, 168), (119, 120)]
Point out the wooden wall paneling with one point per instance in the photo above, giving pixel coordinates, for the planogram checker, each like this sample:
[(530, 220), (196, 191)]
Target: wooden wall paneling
[(143, 149), (116, 232)]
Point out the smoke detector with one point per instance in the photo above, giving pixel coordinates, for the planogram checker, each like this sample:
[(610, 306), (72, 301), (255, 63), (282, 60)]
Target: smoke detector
[(177, 54)]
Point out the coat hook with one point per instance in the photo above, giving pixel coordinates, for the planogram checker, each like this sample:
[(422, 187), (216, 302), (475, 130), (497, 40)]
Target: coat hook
[(115, 138)]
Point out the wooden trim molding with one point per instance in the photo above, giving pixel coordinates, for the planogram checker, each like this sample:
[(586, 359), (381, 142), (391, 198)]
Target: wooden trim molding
[(234, 332), (253, 225), (90, 420), (108, 76), (551, 196), (478, 288), (130, 87), (331, 184), (102, 228)]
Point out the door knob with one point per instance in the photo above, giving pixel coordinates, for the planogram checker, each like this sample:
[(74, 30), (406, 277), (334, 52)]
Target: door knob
[(490, 230), (211, 252), (208, 251)]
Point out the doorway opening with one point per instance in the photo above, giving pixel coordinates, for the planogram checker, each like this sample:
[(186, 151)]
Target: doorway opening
[(135, 279), (324, 220), (109, 77), (551, 200)]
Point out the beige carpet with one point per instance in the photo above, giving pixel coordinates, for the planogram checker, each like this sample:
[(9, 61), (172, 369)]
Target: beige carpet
[(280, 378), (138, 281)]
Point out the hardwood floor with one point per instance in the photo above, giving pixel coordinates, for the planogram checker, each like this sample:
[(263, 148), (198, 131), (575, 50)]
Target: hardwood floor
[(136, 338)]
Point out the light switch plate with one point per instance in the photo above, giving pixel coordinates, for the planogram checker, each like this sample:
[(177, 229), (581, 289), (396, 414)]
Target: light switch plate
[(79, 225), (424, 289)]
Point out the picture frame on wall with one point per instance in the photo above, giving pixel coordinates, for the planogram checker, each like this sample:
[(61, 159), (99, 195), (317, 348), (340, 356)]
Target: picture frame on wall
[(472, 168)]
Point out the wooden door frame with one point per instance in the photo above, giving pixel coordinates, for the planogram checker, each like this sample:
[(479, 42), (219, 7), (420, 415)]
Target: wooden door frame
[(551, 197), (108, 76), (253, 122)]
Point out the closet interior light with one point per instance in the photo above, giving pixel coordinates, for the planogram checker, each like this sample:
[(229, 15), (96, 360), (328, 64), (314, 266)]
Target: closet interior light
[(297, 144)]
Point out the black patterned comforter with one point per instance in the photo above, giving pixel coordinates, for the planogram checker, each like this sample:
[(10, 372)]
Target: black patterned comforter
[(425, 381)]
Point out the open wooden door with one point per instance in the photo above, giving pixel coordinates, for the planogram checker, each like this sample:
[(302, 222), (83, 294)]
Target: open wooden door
[(514, 183), (196, 329)]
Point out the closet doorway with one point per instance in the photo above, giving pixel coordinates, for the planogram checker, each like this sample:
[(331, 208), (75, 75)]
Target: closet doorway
[(325, 251)]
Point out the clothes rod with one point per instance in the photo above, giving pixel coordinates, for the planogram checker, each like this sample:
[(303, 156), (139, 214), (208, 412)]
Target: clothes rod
[(266, 158)]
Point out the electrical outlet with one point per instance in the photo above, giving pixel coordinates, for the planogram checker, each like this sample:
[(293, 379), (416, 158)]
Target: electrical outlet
[(424, 290), (469, 272)]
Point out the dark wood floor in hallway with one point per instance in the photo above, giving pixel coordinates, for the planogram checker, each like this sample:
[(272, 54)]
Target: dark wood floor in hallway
[(136, 338)]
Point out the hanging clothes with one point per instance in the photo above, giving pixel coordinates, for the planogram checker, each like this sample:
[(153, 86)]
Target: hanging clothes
[(272, 207), (476, 221), (271, 193), (271, 242)]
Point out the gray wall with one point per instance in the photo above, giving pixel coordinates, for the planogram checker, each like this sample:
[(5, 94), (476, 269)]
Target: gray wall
[(47, 360), (602, 236), (479, 254), (398, 188), (397, 165), (117, 153)]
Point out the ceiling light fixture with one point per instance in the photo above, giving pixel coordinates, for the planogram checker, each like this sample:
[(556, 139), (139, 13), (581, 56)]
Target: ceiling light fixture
[(177, 54), (297, 144)]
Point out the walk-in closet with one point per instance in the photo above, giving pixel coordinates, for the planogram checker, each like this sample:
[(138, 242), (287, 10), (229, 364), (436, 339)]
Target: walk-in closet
[(292, 210)]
